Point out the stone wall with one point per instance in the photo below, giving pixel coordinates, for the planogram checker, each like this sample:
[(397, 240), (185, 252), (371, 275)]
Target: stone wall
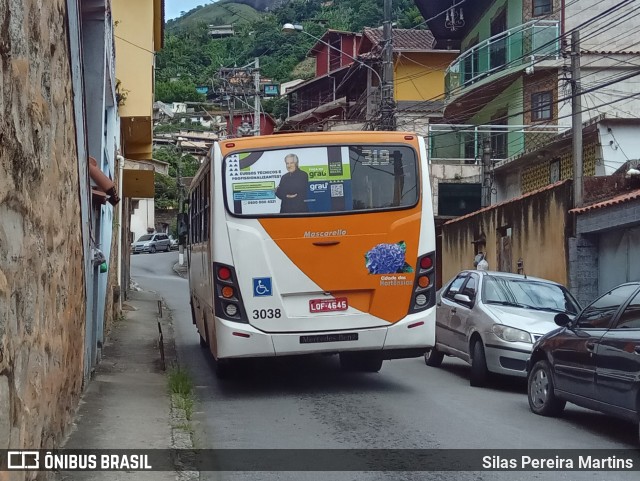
[(165, 216), (42, 300)]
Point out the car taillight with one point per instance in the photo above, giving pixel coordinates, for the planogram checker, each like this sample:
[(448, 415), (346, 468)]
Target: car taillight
[(424, 293), (227, 299)]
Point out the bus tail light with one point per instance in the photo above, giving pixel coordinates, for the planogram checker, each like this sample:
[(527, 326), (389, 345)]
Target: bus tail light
[(424, 292), (224, 273), (227, 299)]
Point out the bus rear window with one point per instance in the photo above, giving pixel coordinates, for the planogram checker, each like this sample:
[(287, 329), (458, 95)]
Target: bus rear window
[(321, 180)]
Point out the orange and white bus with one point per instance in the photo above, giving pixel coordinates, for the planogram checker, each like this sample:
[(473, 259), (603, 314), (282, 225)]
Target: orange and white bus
[(313, 243)]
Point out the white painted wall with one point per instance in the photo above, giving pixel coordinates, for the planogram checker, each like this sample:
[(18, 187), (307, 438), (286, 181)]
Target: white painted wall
[(620, 143), (616, 32), (508, 186), (179, 108), (603, 34), (143, 217)]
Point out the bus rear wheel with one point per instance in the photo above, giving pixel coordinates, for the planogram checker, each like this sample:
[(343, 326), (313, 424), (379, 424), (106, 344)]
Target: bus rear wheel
[(360, 361)]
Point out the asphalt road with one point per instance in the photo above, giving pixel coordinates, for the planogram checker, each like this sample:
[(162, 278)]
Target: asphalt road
[(308, 403)]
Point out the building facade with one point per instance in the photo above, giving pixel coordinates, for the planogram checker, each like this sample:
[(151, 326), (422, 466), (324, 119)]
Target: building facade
[(138, 35), (508, 111), (58, 196)]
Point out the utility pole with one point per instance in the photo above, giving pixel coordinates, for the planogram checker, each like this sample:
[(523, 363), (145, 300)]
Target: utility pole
[(388, 104), (576, 118), (181, 238), (230, 101), (486, 172), (256, 108)]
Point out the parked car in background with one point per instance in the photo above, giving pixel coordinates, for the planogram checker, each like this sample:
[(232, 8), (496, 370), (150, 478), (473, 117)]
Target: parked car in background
[(491, 320), (593, 360), (174, 243), (151, 243)]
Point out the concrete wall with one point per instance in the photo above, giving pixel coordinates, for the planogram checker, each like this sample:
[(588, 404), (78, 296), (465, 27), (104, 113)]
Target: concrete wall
[(618, 140), (601, 34), (142, 217), (420, 76), (460, 173), (42, 311), (612, 34), (134, 46), (165, 216), (538, 224)]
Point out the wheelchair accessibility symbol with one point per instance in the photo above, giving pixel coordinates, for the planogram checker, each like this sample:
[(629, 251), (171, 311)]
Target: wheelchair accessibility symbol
[(262, 286)]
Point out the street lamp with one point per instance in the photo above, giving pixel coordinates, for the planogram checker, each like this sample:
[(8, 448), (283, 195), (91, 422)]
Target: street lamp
[(293, 28)]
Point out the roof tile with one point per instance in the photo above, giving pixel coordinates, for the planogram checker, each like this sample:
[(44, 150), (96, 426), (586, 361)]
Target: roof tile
[(620, 199), (403, 39), (515, 199)]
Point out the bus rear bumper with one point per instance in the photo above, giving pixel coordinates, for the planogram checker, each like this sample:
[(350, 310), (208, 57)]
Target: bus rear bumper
[(415, 332)]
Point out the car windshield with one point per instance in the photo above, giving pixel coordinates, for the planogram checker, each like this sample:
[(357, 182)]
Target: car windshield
[(529, 294), (145, 238)]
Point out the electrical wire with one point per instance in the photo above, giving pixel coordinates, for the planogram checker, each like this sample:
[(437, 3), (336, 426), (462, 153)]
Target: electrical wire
[(591, 20), (614, 77), (559, 39)]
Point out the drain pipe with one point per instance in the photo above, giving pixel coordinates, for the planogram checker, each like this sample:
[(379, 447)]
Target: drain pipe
[(122, 200)]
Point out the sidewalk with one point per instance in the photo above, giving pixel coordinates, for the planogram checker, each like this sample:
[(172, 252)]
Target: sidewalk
[(127, 404)]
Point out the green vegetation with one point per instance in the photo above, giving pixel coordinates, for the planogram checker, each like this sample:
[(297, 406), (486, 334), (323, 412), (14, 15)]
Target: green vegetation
[(219, 13), (167, 196), (191, 58), (178, 90), (181, 387)]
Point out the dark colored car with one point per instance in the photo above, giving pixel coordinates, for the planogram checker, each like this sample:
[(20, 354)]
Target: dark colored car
[(592, 360)]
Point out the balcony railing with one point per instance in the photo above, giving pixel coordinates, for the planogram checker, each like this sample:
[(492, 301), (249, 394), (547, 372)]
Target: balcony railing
[(463, 144), (516, 47)]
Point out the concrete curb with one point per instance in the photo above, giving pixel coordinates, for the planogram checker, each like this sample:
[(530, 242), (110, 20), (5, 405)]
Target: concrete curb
[(181, 427), (180, 270)]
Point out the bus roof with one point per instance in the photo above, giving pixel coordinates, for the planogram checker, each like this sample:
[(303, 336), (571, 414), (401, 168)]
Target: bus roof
[(310, 138)]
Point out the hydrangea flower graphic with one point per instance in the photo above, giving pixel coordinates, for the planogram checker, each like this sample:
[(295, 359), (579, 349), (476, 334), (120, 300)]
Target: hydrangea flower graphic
[(387, 259)]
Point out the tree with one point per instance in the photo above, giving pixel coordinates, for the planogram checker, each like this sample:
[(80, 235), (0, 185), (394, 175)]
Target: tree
[(276, 107), (166, 194), (178, 91), (189, 164)]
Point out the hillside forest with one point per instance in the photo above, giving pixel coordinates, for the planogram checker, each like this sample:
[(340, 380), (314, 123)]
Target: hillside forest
[(191, 58)]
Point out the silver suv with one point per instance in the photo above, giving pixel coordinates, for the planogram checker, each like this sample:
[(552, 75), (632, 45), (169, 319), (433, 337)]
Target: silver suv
[(151, 243)]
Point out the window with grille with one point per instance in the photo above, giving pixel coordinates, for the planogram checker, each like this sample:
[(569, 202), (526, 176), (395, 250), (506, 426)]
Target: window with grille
[(541, 106), (542, 7)]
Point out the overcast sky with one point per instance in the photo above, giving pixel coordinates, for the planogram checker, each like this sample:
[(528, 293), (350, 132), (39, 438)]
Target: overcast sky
[(172, 8)]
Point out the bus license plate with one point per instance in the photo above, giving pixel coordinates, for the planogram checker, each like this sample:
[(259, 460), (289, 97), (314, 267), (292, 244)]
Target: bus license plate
[(328, 305), (340, 337)]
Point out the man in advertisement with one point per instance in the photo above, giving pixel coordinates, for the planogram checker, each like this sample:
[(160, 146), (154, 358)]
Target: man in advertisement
[(293, 187)]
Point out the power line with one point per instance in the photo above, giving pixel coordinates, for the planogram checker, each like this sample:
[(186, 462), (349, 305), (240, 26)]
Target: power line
[(559, 39)]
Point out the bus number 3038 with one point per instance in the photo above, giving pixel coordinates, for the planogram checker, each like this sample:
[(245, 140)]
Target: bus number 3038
[(266, 313)]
